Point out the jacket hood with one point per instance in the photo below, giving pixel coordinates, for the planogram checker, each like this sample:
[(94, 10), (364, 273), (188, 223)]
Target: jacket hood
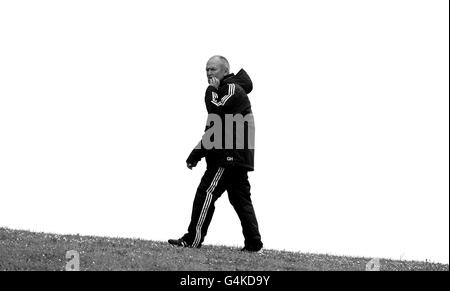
[(241, 78)]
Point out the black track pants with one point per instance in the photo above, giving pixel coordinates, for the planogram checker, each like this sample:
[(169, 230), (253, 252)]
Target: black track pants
[(214, 182)]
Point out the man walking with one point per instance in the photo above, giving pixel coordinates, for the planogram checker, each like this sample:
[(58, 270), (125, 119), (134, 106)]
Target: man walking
[(229, 157)]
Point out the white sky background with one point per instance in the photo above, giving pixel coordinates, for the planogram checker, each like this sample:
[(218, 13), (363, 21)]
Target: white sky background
[(102, 101)]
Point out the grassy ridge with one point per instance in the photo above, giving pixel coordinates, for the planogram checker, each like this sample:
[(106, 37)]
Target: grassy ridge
[(24, 250)]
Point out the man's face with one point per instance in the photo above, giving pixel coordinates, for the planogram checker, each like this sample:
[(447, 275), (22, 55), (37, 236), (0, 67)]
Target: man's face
[(214, 68)]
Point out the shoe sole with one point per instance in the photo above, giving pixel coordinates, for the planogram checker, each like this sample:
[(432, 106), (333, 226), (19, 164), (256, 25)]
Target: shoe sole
[(177, 245), (253, 252), (183, 246)]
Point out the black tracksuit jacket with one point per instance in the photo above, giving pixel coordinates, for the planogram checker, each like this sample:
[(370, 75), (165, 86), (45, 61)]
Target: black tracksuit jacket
[(230, 98)]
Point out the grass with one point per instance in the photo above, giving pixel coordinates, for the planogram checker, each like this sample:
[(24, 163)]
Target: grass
[(24, 250)]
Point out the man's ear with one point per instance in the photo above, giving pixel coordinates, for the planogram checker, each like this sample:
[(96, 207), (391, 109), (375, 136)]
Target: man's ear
[(225, 70)]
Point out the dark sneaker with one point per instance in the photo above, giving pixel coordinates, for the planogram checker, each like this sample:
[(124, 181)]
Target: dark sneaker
[(252, 249), (178, 243), (181, 243)]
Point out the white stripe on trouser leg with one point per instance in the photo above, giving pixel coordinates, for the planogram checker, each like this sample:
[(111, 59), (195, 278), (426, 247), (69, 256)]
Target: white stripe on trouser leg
[(201, 219), (205, 208)]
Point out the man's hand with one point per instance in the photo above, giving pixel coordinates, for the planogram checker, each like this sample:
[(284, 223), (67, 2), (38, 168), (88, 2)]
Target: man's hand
[(191, 165), (214, 82)]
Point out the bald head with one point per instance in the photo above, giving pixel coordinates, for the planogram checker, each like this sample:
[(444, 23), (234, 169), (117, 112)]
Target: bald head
[(217, 66), (221, 61)]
